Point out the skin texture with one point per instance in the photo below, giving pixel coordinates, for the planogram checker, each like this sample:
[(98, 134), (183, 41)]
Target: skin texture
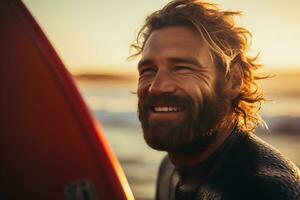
[(177, 70)]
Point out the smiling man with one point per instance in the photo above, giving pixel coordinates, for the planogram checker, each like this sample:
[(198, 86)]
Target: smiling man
[(199, 102)]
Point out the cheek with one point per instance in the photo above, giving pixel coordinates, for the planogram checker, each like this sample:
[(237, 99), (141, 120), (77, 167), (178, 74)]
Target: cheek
[(191, 87), (143, 88), (198, 90)]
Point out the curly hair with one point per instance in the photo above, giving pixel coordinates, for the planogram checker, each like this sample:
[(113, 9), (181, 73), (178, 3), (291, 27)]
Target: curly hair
[(228, 46)]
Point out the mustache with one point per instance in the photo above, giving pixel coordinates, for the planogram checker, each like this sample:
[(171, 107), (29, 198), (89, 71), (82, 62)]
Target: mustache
[(170, 99)]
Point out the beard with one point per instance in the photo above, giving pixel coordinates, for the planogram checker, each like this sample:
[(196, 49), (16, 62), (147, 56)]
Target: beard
[(197, 130)]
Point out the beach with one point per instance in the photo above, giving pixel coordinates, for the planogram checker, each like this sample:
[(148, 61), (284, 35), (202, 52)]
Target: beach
[(113, 104)]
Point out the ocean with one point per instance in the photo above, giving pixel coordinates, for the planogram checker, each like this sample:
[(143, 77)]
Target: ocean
[(113, 104)]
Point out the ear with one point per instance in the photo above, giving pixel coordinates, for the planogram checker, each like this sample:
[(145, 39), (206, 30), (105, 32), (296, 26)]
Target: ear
[(234, 81)]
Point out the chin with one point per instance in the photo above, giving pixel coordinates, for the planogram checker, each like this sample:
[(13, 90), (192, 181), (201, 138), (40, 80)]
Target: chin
[(158, 138), (164, 138), (186, 138)]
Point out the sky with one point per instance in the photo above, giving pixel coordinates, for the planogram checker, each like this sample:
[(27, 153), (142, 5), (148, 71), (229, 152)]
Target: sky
[(95, 35)]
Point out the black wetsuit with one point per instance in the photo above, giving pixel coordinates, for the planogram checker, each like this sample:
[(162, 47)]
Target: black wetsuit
[(243, 168)]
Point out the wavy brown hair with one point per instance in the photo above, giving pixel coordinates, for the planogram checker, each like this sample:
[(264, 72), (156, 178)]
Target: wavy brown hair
[(228, 46)]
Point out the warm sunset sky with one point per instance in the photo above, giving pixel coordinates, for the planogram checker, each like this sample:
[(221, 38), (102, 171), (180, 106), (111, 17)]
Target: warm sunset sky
[(94, 35)]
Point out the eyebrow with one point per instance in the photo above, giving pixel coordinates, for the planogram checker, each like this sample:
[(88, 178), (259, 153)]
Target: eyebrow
[(144, 62), (175, 60)]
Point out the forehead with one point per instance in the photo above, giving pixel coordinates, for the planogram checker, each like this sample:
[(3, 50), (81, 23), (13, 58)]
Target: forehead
[(176, 41)]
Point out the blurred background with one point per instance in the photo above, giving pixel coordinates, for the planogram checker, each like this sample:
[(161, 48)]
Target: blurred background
[(93, 37)]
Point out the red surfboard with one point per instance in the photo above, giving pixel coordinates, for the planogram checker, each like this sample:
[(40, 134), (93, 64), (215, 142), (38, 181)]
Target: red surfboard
[(50, 145)]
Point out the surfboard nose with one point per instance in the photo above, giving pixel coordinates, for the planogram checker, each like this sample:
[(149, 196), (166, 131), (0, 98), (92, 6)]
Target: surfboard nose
[(49, 139)]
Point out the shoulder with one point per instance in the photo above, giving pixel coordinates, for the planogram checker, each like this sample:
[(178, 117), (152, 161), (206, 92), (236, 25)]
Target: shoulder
[(166, 169), (277, 184), (270, 162), (166, 179), (165, 163), (273, 176), (277, 176), (265, 158)]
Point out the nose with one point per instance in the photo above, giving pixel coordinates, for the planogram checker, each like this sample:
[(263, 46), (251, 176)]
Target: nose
[(162, 83)]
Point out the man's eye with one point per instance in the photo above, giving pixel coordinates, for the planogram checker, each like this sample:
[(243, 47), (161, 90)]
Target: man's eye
[(147, 71), (183, 69)]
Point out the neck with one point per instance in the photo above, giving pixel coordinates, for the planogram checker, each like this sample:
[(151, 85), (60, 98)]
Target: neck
[(185, 160)]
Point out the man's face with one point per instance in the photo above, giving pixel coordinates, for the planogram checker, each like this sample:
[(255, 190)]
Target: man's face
[(180, 97)]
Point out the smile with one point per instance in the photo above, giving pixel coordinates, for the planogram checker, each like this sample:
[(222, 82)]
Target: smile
[(163, 109)]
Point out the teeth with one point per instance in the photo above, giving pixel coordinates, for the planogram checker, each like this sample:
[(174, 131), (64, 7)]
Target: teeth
[(166, 109)]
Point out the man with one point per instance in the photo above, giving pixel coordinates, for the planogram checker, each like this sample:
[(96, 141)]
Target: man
[(199, 102)]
